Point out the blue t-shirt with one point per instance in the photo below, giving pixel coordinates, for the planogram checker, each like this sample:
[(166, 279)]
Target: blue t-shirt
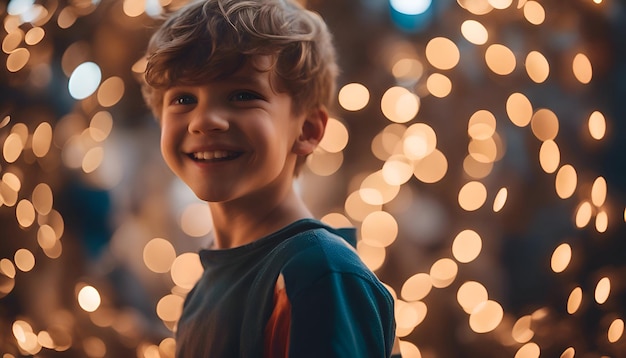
[(300, 292)]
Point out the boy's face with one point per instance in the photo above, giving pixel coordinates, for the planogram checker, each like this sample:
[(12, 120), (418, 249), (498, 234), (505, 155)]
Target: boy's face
[(231, 139)]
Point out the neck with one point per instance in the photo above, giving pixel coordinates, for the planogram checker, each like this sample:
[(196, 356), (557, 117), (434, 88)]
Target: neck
[(236, 224)]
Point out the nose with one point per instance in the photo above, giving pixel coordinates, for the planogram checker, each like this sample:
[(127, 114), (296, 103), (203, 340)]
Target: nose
[(208, 120)]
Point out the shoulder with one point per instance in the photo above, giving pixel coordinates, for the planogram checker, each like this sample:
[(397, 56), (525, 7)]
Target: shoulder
[(322, 250), (319, 254)]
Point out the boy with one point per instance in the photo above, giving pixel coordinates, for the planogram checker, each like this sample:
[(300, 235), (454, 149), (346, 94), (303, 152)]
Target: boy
[(240, 89)]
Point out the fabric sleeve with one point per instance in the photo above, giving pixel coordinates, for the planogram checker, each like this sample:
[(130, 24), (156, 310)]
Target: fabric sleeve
[(342, 315)]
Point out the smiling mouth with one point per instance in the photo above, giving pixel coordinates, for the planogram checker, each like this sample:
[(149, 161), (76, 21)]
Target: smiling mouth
[(214, 156)]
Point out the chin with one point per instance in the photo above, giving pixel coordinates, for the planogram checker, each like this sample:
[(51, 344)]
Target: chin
[(209, 197)]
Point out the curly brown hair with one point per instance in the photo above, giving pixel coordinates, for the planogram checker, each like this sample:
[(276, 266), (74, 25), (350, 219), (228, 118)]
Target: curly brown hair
[(211, 39)]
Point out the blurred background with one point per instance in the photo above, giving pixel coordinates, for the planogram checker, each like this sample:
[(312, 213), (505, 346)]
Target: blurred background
[(477, 145)]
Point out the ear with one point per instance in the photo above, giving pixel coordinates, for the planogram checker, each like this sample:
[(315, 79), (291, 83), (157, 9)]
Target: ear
[(311, 132)]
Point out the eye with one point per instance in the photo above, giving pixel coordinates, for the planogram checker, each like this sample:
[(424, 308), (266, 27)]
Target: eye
[(244, 96), (183, 99)]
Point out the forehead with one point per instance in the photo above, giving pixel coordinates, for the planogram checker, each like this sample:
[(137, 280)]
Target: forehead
[(255, 70)]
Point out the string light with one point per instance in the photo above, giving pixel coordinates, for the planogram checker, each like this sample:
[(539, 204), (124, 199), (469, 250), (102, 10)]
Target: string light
[(414, 150)]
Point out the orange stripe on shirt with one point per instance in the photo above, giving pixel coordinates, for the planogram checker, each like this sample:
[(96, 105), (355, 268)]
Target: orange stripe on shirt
[(276, 342)]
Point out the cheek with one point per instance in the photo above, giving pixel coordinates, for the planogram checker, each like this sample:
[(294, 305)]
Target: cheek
[(167, 141)]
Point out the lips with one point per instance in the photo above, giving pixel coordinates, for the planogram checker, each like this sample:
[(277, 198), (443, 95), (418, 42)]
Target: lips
[(214, 155)]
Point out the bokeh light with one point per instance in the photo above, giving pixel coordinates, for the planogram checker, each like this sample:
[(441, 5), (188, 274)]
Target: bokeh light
[(89, 298), (477, 154), (84, 80)]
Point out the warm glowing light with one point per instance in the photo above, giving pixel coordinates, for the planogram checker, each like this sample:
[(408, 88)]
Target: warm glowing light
[(24, 260), (89, 298), (574, 300), (466, 246), (570, 352), (133, 8), (95, 347), (431, 168), (470, 295), (376, 190), (500, 200), (582, 68), (170, 307), (602, 221), (100, 126), (486, 316), (336, 220), (335, 137), (528, 350), (482, 125), (84, 81), (357, 208), (397, 170), (442, 53), (616, 330), (474, 32), (472, 196), (354, 96), (522, 331), (561, 258), (537, 67), (566, 181), (549, 156), (7, 268), (195, 220), (186, 270), (419, 141), (406, 316), (168, 347), (12, 40), (416, 287), (25, 213), (399, 104), (17, 59), (5, 121), (443, 272), (46, 237), (476, 169), (598, 191), (500, 59), (323, 163), (92, 159), (597, 125), (500, 4), (408, 69), (534, 12), (111, 91), (379, 229), (481, 7), (372, 256), (34, 36), (603, 290), (42, 138), (158, 255), (66, 18), (583, 214), (409, 350), (519, 109), (544, 124), (12, 181), (12, 148), (42, 198), (439, 85)]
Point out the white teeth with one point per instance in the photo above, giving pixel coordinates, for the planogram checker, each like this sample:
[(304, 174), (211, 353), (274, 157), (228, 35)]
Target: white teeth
[(215, 154)]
